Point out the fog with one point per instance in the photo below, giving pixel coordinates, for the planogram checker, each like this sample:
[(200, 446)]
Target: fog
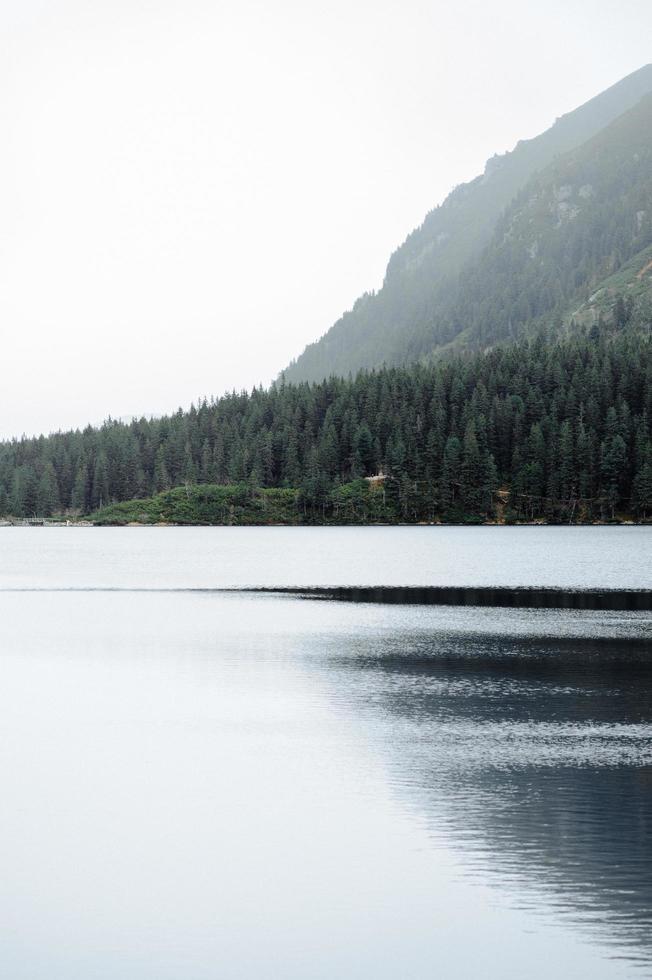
[(192, 191)]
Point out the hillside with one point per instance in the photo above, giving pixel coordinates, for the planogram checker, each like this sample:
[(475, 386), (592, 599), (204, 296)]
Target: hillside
[(584, 218), (516, 327), (415, 311), (532, 430)]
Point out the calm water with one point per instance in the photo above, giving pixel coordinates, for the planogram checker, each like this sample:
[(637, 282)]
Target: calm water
[(207, 785)]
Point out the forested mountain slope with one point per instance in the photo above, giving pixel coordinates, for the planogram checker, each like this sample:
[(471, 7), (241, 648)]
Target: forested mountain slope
[(576, 223), (558, 431), (412, 313)]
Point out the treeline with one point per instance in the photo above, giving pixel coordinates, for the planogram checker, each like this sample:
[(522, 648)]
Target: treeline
[(559, 431)]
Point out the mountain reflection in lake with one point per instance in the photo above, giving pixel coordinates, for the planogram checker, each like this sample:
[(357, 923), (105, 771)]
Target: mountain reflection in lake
[(531, 753), (208, 785)]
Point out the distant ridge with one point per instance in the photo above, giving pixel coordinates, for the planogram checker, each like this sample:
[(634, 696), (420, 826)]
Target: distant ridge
[(388, 327)]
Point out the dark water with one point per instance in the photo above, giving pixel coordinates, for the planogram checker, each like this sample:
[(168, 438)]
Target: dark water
[(533, 754), (208, 785)]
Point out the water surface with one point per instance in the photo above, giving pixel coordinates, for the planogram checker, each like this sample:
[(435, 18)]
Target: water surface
[(218, 557), (238, 786)]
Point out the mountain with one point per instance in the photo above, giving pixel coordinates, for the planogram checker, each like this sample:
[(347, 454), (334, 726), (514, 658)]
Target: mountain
[(515, 330), (574, 225), (424, 302)]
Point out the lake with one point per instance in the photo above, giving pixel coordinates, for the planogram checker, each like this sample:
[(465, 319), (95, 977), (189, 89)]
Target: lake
[(210, 784)]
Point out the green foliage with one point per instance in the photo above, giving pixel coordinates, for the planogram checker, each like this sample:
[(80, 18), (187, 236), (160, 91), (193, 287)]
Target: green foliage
[(535, 430), (210, 504), (206, 504)]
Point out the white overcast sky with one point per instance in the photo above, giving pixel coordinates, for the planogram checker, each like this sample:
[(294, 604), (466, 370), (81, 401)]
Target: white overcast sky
[(191, 191)]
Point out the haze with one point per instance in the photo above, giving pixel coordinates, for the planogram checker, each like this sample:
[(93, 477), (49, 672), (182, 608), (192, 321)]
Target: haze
[(190, 192)]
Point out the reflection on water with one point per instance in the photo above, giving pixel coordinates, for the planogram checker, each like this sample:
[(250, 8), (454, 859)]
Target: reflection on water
[(202, 785), (532, 755)]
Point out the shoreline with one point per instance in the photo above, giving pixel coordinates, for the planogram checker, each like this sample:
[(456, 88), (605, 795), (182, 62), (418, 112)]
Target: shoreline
[(51, 523)]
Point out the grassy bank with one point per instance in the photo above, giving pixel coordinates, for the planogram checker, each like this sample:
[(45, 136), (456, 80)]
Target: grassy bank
[(240, 504), (358, 502), (205, 504)]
